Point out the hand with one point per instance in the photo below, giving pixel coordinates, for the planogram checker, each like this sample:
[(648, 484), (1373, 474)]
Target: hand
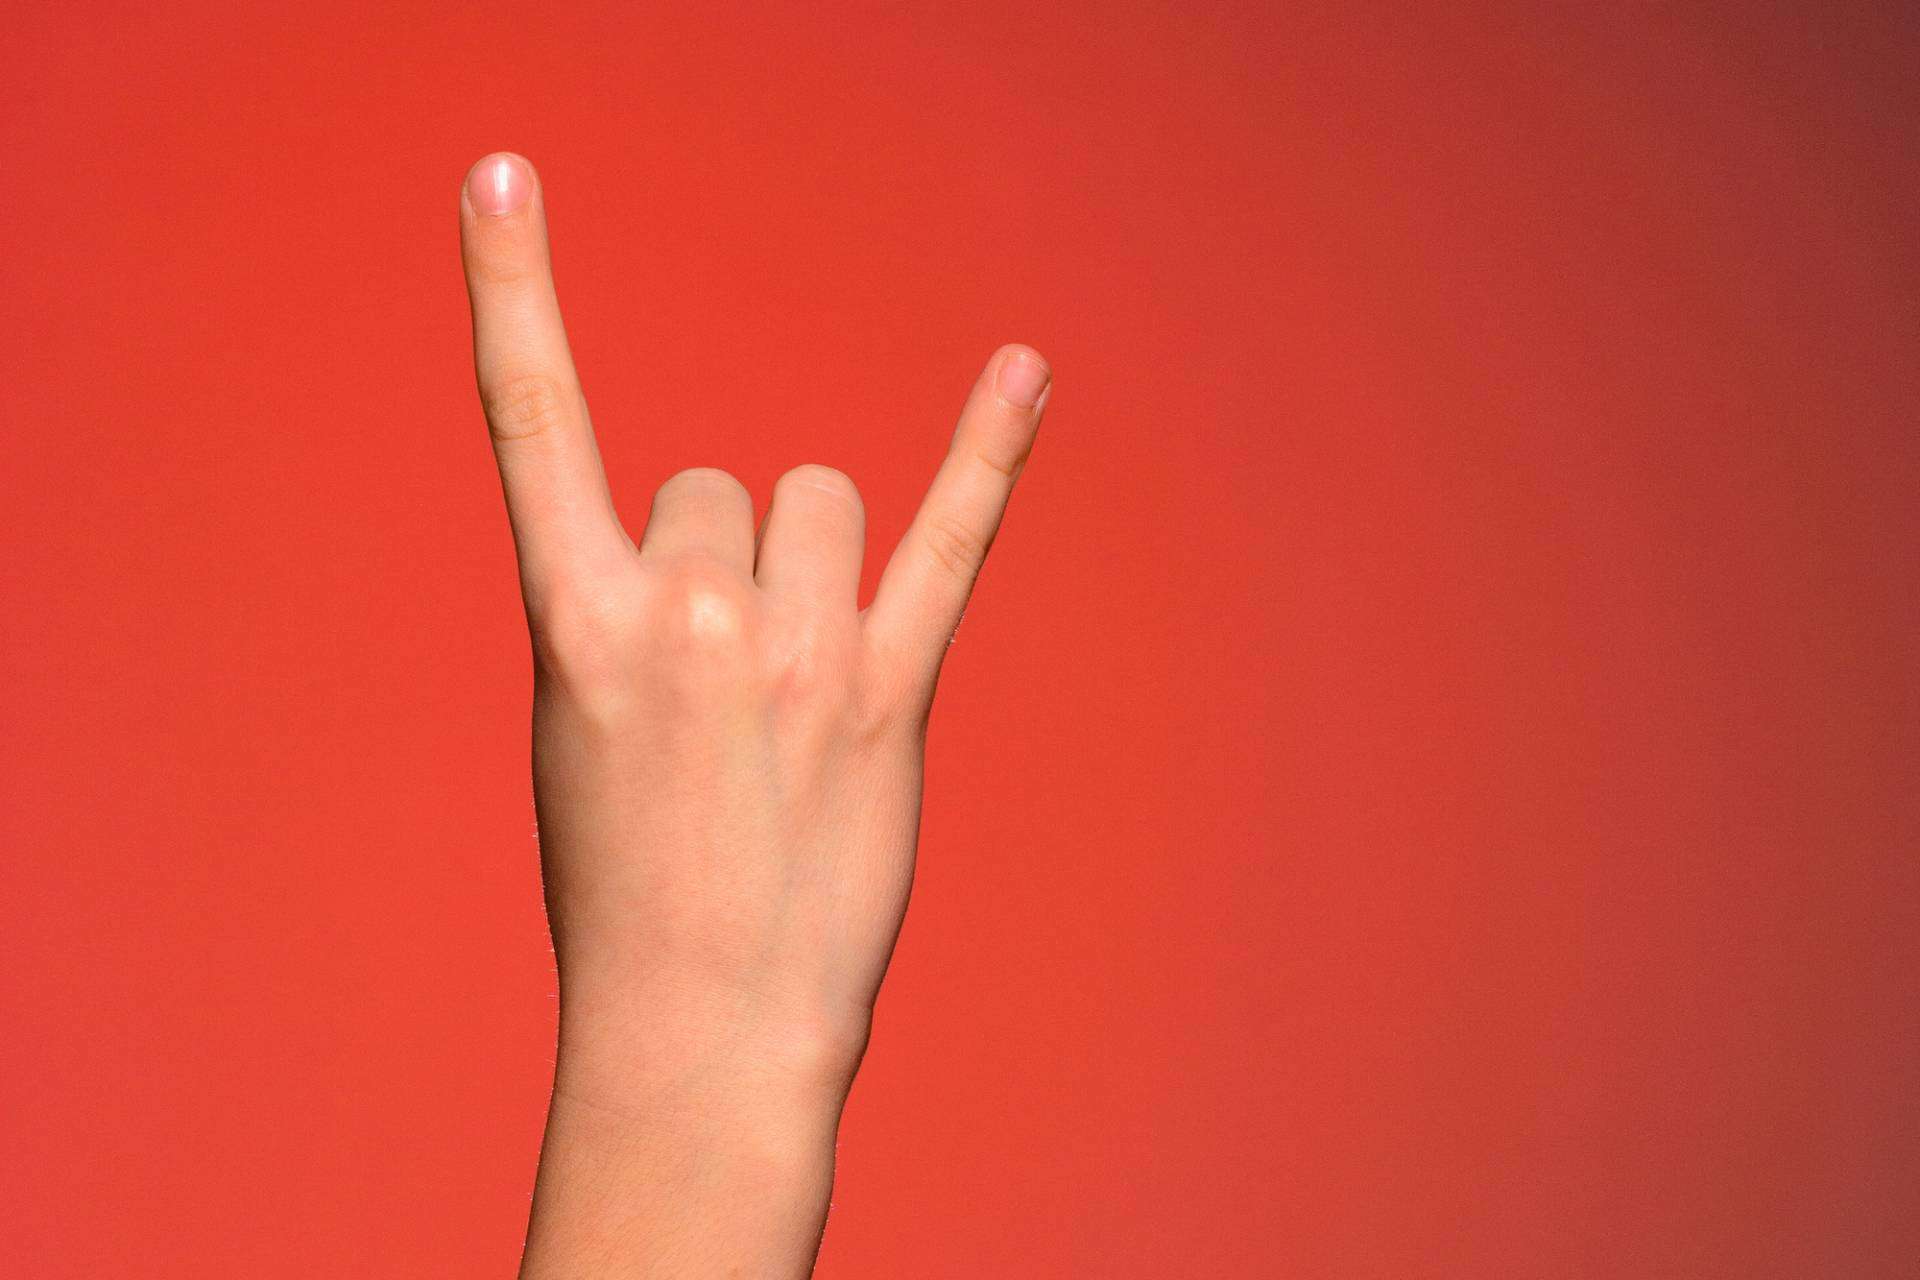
[(727, 770)]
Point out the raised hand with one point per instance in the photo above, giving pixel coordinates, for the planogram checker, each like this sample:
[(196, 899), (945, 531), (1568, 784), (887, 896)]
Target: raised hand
[(727, 770)]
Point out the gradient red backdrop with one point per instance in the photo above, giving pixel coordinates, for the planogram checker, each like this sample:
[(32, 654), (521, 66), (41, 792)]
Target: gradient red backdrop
[(1426, 787)]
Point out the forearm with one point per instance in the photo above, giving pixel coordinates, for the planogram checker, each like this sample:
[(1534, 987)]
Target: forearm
[(691, 1134)]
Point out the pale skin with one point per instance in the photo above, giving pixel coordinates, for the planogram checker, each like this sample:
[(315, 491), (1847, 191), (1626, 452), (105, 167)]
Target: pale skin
[(727, 771)]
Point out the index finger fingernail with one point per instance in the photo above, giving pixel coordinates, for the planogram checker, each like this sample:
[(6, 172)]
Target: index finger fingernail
[(499, 184)]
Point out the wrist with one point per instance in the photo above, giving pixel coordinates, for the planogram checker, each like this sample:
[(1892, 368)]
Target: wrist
[(627, 1041), (686, 1124)]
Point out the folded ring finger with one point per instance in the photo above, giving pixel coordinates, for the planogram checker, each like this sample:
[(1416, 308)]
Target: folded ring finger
[(704, 513)]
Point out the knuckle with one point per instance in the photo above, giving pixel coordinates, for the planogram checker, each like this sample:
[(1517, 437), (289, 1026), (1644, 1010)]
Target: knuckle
[(829, 480), (891, 704), (800, 679), (957, 548), (813, 666), (1005, 461), (524, 405), (712, 479), (585, 640), (700, 605), (504, 263)]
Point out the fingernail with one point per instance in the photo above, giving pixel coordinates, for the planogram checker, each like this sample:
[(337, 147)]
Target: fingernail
[(499, 184), (1022, 379)]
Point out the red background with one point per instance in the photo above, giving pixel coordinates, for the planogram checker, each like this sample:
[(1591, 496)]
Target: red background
[(1427, 786)]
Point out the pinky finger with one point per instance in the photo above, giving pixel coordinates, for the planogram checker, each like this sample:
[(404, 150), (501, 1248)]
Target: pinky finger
[(931, 575)]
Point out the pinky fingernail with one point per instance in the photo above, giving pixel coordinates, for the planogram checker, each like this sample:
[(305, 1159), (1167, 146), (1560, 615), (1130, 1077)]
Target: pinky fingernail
[(1022, 378)]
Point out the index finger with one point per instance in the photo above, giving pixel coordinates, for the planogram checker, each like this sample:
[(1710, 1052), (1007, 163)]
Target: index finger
[(556, 490)]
